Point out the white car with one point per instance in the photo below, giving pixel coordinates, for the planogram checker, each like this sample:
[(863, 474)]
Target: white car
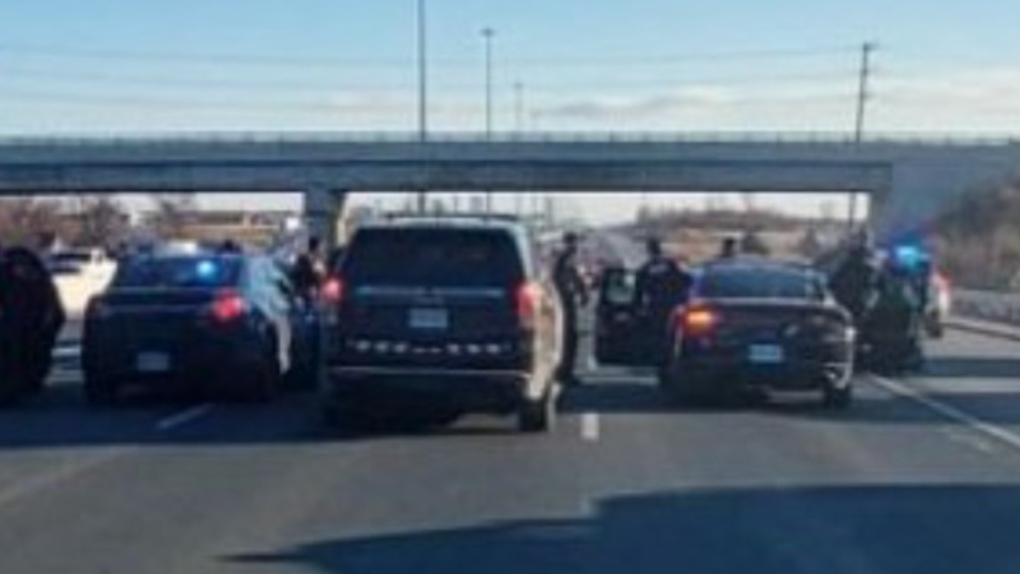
[(80, 274)]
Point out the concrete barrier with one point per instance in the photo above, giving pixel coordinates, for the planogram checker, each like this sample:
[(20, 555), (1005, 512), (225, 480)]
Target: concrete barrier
[(987, 305)]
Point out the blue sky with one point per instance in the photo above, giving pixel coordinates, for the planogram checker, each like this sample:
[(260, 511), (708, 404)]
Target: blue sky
[(132, 65)]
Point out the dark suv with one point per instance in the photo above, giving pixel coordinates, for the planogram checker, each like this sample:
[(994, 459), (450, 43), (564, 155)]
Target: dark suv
[(453, 315)]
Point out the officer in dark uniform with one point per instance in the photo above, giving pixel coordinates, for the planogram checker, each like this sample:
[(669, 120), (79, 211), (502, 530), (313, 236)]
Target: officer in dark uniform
[(730, 248), (31, 317), (309, 270), (660, 286), (853, 284), (573, 292)]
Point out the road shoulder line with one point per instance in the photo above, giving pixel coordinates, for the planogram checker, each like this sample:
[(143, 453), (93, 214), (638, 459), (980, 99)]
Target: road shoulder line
[(948, 411)]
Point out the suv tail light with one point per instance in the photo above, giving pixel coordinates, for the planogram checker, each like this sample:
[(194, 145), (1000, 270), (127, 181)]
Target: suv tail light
[(333, 291), (528, 299), (228, 306)]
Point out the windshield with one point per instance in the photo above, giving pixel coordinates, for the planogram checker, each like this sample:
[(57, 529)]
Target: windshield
[(70, 257), (758, 283), (177, 273), (434, 258)]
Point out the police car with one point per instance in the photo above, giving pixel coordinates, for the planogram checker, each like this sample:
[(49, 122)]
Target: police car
[(195, 324)]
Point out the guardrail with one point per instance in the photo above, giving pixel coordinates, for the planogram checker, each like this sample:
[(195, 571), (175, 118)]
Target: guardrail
[(988, 305)]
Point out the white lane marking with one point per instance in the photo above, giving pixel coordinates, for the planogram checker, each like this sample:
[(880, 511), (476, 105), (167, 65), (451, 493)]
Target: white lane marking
[(950, 412), (184, 417), (70, 352), (590, 427), (51, 479)]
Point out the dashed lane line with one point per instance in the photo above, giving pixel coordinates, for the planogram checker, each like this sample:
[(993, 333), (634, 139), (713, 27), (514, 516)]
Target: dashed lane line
[(184, 417)]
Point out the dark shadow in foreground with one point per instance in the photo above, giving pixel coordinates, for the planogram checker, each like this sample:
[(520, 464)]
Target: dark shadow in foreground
[(922, 529)]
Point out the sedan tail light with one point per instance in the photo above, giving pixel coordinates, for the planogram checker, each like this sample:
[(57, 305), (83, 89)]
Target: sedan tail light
[(333, 291), (228, 306), (698, 320)]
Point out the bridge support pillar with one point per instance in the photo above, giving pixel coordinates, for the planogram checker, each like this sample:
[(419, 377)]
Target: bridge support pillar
[(324, 210)]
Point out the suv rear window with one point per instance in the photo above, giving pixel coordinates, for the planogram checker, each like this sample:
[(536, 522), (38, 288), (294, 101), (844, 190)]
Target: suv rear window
[(755, 282), (182, 272), (433, 257)]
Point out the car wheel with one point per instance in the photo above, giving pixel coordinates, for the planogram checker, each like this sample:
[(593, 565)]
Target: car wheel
[(838, 398), (537, 416), (99, 392)]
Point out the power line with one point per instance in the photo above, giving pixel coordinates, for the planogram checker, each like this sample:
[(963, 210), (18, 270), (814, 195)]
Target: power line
[(88, 53)]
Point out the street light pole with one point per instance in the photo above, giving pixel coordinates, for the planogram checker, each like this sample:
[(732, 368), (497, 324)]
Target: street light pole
[(488, 34), (863, 95), (423, 118)]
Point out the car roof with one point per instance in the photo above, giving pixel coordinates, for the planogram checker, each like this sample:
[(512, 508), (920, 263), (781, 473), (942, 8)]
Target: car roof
[(758, 263)]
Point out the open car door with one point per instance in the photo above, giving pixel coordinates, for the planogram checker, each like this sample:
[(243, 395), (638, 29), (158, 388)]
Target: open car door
[(619, 340)]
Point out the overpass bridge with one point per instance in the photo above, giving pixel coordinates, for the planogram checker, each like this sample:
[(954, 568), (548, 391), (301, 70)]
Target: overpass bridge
[(909, 179)]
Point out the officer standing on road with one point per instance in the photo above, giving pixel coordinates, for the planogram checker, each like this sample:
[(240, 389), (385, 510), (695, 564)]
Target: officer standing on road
[(309, 270), (572, 291), (661, 284), (31, 317), (730, 248), (853, 283)]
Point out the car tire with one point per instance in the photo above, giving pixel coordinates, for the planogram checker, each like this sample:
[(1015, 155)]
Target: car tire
[(537, 416), (837, 398)]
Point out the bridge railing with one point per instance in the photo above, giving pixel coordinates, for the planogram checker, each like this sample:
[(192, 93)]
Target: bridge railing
[(241, 137)]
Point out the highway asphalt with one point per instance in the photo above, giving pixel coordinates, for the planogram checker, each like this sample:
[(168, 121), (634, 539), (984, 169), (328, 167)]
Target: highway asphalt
[(921, 475)]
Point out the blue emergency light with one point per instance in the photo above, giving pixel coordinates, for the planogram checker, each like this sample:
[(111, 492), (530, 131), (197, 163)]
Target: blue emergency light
[(207, 270)]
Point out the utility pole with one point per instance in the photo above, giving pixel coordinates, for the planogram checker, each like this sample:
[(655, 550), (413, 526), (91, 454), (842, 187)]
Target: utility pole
[(519, 107), (488, 33), (863, 95), (423, 118)]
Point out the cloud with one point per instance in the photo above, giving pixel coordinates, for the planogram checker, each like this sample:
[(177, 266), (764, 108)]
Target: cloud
[(609, 107)]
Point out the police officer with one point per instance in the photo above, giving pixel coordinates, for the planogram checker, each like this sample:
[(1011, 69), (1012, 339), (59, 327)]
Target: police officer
[(31, 317), (730, 248), (309, 270), (661, 284), (853, 283), (573, 292)]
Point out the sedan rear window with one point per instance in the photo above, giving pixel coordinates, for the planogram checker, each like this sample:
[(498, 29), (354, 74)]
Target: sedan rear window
[(433, 257), (751, 282), (182, 272)]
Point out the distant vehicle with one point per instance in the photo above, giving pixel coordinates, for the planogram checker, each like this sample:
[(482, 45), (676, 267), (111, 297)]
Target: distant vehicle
[(751, 325), (940, 305), (452, 314), (195, 325), (80, 275)]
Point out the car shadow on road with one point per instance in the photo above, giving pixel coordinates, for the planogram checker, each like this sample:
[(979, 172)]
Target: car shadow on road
[(907, 528)]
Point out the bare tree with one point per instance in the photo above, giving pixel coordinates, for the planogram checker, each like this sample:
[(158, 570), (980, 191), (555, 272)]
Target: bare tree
[(172, 214), (29, 222), (103, 221)]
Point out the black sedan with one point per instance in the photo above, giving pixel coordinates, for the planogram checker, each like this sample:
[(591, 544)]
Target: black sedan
[(760, 325), (197, 324)]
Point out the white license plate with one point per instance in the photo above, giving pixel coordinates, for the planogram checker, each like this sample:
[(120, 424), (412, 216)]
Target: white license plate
[(429, 319), (766, 354), (149, 362)]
